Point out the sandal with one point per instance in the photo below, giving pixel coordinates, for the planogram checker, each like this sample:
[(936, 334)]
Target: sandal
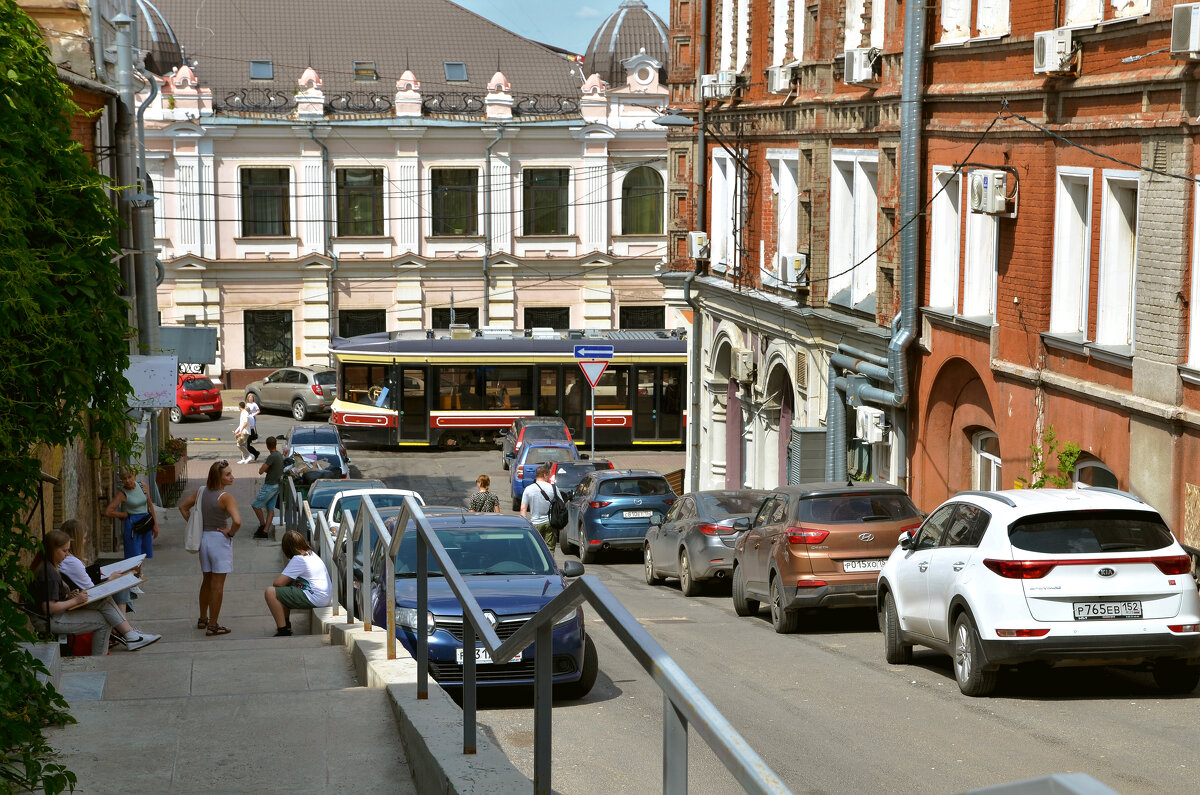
[(202, 623), (217, 629)]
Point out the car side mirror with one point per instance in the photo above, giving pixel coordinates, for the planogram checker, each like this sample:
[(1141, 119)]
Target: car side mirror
[(906, 539), (742, 523), (572, 568), (584, 456), (656, 518)]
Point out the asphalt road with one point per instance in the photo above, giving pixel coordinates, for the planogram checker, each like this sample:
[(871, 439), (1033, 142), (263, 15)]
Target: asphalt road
[(821, 707)]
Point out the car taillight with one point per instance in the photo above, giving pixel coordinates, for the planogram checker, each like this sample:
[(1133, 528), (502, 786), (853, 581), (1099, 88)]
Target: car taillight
[(1178, 564), (316, 388), (909, 527), (806, 535), (596, 504), (1022, 633), (1021, 569), (811, 584), (714, 529), (1184, 627), (670, 501)]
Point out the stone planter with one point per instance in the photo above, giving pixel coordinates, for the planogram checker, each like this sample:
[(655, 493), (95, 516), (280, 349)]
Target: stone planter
[(171, 473)]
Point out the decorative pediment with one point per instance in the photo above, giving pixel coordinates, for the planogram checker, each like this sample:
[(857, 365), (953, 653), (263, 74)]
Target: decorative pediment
[(593, 132)]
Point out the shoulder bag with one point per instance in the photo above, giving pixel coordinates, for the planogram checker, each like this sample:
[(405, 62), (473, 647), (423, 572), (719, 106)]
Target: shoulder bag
[(195, 525)]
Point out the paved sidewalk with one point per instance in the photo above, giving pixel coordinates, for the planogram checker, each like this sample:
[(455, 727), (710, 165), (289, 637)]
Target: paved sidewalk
[(232, 713)]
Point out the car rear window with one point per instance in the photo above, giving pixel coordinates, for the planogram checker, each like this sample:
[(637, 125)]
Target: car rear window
[(322, 497), (197, 385), (314, 436), (1085, 532), (539, 455), (855, 508), (729, 504), (326, 378), (634, 487), (545, 432)]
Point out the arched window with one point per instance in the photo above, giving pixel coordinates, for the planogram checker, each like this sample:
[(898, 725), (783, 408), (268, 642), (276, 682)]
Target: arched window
[(985, 461), (1091, 472), (642, 202)]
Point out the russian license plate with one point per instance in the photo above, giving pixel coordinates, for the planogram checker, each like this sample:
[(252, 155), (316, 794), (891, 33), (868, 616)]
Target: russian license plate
[(866, 564), (204, 408), (637, 514), (1086, 611), (481, 656)]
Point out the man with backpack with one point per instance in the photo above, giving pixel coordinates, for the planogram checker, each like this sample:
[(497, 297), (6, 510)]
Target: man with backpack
[(543, 505)]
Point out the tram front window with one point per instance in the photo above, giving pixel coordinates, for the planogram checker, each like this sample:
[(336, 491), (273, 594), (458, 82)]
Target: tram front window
[(363, 383)]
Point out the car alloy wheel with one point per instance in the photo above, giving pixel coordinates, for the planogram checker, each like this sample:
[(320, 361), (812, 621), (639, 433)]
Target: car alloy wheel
[(176, 414), (784, 621), (968, 660), (299, 410), (586, 554), (687, 583), (652, 577)]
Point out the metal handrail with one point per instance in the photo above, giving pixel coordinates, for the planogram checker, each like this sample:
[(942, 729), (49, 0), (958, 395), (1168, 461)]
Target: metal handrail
[(683, 702)]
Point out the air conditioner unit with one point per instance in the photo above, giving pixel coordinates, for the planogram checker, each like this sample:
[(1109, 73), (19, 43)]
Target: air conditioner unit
[(779, 79), (1185, 31), (794, 269), (743, 365), (987, 191), (719, 85), (1052, 52), (698, 245), (860, 65)]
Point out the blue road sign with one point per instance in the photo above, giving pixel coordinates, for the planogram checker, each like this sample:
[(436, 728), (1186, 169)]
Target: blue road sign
[(593, 351)]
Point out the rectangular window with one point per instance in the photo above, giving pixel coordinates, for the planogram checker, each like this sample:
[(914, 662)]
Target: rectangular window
[(507, 388), (457, 389), (854, 225), (643, 317), (268, 338), (944, 229), (545, 200), (262, 70), (785, 195), (548, 317), (727, 201), (456, 72), (779, 31), (465, 316), (359, 202), (353, 322), (266, 209), (1082, 12), (455, 198), (1072, 252), (365, 70), (857, 24), (1118, 259), (979, 274), (612, 390), (991, 20), (363, 383)]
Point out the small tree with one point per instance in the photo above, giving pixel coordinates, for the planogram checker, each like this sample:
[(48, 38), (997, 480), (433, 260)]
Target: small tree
[(1065, 457)]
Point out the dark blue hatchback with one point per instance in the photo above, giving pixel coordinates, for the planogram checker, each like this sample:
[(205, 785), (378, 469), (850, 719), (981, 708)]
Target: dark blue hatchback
[(612, 509), (513, 575)]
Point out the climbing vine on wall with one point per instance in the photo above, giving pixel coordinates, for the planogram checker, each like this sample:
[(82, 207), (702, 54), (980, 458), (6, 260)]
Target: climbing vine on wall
[(64, 340)]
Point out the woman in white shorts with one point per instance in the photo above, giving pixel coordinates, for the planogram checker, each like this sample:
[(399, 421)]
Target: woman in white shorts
[(221, 522)]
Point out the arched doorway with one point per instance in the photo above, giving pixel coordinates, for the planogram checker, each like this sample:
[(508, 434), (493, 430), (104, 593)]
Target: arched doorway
[(776, 418), (959, 435), (714, 465)]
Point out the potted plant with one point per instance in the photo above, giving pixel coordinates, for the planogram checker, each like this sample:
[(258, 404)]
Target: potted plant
[(172, 460)]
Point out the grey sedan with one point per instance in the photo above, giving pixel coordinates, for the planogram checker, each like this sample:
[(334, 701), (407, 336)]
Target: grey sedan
[(696, 538)]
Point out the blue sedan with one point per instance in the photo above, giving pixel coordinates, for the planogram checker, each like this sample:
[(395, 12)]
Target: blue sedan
[(532, 456), (613, 509), (512, 575)]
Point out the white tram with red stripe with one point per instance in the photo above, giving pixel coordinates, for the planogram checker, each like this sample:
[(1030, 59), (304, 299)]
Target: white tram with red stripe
[(426, 388)]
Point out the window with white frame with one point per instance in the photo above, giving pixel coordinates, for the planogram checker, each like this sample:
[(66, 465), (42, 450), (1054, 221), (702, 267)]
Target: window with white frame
[(1083, 13), (979, 270), (726, 198), (945, 223), (784, 165), (359, 201), (985, 462), (990, 17), (1072, 251), (743, 33), (853, 224), (724, 34), (1092, 473), (855, 24), (785, 11), (1118, 259), (266, 206), (642, 202)]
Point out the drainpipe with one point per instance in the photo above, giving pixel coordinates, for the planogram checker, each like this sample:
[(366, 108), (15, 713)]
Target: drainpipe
[(126, 154), (487, 228), (147, 271), (97, 53), (694, 341), (905, 323), (327, 226)]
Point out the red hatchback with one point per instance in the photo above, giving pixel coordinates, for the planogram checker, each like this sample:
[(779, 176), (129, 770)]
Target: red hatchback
[(196, 394)]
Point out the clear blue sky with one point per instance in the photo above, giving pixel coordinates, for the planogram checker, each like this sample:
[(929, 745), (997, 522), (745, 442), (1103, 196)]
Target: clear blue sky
[(564, 23)]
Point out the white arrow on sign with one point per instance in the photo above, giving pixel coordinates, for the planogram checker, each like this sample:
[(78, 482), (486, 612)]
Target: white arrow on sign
[(592, 370)]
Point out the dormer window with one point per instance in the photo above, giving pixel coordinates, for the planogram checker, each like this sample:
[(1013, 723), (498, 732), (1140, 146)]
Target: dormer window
[(365, 70), (456, 72), (262, 70)]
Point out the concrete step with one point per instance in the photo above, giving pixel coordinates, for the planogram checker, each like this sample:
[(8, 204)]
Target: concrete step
[(50, 655)]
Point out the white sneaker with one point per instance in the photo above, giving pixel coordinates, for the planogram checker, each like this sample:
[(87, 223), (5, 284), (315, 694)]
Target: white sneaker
[(137, 589), (142, 639), (243, 460)]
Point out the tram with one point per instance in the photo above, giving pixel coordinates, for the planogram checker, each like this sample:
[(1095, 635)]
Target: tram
[(436, 389)]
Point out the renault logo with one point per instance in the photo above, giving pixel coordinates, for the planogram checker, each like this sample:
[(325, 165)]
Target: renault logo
[(1106, 572), (866, 538)]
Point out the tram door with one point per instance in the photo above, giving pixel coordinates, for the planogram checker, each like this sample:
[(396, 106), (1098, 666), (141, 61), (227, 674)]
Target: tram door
[(658, 404), (411, 404)]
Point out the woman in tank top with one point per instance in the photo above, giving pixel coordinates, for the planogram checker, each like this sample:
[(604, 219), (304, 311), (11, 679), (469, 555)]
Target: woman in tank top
[(221, 521), (130, 504)]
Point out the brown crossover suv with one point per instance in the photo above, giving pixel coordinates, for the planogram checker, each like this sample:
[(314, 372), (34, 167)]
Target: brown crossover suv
[(818, 545)]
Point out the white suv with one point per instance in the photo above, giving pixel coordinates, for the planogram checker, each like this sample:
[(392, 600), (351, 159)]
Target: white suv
[(1066, 577)]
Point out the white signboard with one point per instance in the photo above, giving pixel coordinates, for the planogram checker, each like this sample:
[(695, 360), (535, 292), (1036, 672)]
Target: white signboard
[(153, 379)]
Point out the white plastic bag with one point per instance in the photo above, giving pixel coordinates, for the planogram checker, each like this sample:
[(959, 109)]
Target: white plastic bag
[(195, 525)]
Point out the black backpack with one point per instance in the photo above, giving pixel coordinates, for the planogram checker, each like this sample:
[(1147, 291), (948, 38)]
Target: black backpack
[(558, 509)]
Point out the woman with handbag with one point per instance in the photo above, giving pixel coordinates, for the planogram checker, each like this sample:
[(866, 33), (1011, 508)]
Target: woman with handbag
[(221, 521), (132, 503)]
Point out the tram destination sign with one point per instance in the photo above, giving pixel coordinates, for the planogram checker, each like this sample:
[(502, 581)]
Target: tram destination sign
[(593, 351)]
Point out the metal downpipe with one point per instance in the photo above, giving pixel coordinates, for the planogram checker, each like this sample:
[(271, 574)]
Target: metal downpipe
[(693, 419), (835, 428)]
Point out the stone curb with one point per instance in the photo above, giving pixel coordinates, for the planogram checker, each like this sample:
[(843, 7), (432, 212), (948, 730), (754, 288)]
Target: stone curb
[(430, 730)]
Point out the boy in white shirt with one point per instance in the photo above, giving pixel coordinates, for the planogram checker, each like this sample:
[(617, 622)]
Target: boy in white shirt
[(303, 584)]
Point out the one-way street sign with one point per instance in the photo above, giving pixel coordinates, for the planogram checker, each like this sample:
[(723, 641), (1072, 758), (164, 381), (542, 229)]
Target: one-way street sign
[(593, 351)]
